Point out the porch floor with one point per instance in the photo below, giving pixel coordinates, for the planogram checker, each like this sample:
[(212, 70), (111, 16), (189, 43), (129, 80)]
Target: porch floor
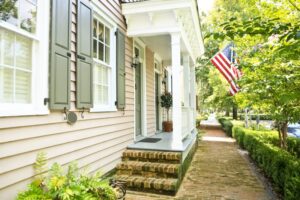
[(165, 144)]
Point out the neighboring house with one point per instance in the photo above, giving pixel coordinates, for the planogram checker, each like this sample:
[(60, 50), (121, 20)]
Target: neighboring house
[(63, 56)]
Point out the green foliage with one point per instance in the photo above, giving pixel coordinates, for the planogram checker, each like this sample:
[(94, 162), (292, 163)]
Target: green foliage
[(266, 34), (66, 186), (199, 118), (7, 9), (226, 126), (279, 165), (166, 102)]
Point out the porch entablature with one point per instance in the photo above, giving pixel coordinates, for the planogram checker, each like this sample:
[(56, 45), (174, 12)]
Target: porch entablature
[(160, 17)]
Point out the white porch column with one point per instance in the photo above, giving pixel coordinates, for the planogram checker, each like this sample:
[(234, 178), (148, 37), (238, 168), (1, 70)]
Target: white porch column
[(177, 127), (186, 76), (193, 93)]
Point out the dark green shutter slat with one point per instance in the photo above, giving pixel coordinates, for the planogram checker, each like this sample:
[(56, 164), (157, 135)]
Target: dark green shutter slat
[(120, 70), (84, 72), (60, 54)]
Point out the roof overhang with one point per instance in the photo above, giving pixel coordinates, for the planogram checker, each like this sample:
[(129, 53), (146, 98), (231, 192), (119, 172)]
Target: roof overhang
[(160, 17)]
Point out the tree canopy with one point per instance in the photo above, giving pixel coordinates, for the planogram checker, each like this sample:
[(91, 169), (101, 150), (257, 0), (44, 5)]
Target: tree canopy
[(266, 35)]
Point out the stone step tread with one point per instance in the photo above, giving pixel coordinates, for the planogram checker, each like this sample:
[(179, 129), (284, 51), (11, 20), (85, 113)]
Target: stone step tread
[(149, 166), (140, 182), (152, 155)]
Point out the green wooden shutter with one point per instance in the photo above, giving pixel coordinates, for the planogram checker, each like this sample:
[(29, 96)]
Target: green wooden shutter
[(84, 73), (60, 54), (120, 70)]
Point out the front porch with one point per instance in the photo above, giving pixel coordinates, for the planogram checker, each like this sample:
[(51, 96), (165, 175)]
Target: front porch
[(169, 32), (166, 143), (166, 40)]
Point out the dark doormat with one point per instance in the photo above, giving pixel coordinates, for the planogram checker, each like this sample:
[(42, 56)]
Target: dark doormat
[(150, 140)]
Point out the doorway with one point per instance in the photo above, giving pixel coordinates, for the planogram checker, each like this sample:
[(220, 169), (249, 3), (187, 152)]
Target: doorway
[(157, 101), (138, 95)]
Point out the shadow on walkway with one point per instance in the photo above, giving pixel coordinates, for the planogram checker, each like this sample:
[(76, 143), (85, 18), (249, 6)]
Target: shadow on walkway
[(218, 171)]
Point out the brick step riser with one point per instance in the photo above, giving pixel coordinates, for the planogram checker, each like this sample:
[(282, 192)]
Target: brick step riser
[(152, 187), (151, 160), (164, 157), (151, 190), (147, 174)]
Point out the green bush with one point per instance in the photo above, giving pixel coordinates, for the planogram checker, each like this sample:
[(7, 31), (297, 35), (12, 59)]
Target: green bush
[(279, 165), (199, 118), (65, 186), (268, 136), (226, 126)]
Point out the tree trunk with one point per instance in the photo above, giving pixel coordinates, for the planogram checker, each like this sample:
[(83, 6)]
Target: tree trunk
[(227, 113), (279, 134), (234, 112), (284, 134), (246, 118)]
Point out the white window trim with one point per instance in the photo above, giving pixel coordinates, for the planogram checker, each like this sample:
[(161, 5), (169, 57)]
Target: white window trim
[(103, 18), (39, 65)]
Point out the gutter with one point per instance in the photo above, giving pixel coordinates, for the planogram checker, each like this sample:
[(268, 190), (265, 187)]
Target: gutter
[(199, 17)]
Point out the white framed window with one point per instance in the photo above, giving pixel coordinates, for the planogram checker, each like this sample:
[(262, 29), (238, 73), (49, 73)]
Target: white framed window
[(24, 58), (104, 58)]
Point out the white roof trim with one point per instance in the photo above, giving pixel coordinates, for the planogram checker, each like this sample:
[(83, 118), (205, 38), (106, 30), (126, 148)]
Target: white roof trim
[(154, 6)]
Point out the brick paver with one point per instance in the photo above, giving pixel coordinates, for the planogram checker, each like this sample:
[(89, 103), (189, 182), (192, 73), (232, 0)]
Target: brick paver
[(218, 171)]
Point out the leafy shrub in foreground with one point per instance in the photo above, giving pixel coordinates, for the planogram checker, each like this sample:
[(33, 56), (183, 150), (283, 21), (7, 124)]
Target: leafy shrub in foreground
[(66, 186), (279, 165)]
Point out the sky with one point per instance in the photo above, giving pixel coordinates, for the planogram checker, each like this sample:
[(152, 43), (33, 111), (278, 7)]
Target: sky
[(206, 5)]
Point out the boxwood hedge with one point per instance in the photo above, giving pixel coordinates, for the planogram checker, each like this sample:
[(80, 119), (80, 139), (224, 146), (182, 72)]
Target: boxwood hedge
[(282, 167)]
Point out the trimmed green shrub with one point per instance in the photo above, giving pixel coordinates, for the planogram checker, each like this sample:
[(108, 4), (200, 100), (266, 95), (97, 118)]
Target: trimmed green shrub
[(282, 167), (226, 126)]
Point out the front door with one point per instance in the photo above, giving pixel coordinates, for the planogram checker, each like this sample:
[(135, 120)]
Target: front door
[(157, 97), (138, 100)]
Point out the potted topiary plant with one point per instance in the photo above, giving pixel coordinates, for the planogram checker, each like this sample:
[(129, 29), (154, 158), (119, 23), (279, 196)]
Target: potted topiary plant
[(166, 102)]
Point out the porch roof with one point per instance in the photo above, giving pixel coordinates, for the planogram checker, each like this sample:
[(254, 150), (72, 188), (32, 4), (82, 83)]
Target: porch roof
[(160, 17)]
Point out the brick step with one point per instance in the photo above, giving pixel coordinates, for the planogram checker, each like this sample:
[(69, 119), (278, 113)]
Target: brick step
[(140, 183), (148, 169), (152, 156)]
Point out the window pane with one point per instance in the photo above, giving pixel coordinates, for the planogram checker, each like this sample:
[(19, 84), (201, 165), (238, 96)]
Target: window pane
[(100, 51), (105, 95), (6, 85), (100, 31), (107, 54), (107, 36), (98, 94), (23, 52), (8, 45), (23, 87), (95, 48), (105, 76), (27, 16), (12, 16), (95, 28)]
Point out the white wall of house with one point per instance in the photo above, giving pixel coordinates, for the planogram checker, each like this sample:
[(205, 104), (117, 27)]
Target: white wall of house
[(97, 140)]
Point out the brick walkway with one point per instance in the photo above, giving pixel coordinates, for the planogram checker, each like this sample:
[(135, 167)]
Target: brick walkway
[(218, 171)]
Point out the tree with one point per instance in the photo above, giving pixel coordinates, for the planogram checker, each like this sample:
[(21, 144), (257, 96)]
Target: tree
[(268, 42)]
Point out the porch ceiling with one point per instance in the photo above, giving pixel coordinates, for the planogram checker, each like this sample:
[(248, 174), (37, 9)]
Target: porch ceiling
[(163, 17)]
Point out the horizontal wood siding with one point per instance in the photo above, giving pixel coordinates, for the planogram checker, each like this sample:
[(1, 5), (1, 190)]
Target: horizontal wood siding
[(96, 141), (150, 92)]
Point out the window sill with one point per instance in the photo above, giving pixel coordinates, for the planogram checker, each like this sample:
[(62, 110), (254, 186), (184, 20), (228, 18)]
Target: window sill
[(9, 110), (103, 109)]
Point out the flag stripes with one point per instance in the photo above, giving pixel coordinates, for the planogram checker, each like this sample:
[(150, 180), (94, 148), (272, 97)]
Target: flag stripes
[(225, 62)]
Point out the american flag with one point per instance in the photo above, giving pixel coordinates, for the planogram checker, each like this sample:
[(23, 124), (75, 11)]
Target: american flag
[(225, 61)]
